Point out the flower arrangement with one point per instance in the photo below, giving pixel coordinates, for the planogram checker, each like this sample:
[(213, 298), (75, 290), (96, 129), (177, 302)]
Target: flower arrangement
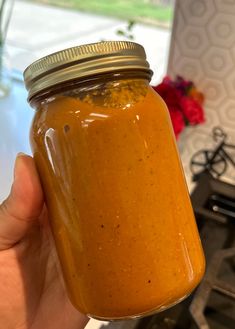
[(184, 101)]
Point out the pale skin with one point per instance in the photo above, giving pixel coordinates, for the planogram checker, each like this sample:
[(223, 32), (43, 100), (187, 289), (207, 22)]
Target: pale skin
[(32, 292)]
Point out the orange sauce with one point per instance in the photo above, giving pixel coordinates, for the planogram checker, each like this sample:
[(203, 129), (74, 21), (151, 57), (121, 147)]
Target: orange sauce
[(118, 202)]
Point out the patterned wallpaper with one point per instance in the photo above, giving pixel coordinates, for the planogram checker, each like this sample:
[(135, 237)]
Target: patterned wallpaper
[(203, 50)]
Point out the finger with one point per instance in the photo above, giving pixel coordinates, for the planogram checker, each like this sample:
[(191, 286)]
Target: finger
[(24, 204)]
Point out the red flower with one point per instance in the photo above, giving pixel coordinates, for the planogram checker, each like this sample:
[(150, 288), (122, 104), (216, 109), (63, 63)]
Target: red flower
[(183, 100), (177, 120), (170, 95), (192, 110), (172, 98)]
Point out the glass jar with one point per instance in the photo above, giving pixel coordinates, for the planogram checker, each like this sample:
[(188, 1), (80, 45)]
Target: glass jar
[(120, 211)]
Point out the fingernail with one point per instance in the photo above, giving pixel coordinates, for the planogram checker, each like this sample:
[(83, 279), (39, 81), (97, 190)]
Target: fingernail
[(17, 163), (20, 154)]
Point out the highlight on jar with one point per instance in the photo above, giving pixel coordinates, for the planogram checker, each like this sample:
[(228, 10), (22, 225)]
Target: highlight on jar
[(118, 203)]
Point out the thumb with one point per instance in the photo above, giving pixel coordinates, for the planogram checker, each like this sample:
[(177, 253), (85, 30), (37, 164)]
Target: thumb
[(24, 204)]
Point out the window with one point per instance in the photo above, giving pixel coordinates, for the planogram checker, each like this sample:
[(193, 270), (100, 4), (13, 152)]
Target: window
[(38, 28)]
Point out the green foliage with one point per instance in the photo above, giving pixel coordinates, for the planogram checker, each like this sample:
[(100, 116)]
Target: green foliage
[(127, 32), (134, 10)]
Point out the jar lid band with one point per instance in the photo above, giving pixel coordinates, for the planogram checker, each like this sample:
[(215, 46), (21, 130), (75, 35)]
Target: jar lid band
[(84, 61)]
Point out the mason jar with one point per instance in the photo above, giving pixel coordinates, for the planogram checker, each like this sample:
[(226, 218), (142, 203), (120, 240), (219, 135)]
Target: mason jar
[(118, 203)]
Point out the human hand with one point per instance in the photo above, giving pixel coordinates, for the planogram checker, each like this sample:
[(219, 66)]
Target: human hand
[(32, 292)]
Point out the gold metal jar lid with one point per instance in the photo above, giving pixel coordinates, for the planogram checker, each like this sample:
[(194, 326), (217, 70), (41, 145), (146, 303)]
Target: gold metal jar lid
[(83, 61)]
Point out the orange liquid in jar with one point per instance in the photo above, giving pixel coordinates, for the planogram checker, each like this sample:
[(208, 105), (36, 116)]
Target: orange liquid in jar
[(118, 202)]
